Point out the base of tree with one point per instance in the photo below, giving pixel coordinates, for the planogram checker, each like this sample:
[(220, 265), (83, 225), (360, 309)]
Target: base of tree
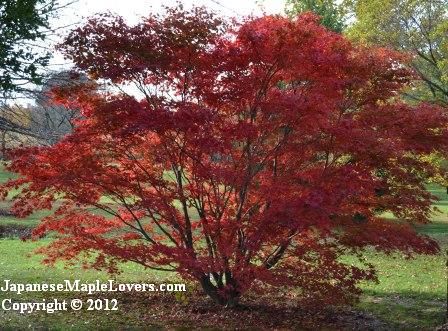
[(231, 300), (263, 312)]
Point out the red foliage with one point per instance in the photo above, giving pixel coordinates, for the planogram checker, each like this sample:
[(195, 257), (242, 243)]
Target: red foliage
[(259, 154)]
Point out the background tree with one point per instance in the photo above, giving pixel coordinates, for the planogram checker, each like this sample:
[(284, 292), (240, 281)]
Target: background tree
[(419, 27), (257, 156), (332, 14), (24, 26), (14, 131), (22, 23), (43, 122), (50, 122)]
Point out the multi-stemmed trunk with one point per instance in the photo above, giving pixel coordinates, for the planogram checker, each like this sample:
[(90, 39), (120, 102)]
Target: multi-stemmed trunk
[(228, 298)]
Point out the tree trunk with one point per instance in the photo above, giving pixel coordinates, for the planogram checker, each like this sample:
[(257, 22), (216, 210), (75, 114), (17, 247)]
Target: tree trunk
[(3, 147), (229, 300)]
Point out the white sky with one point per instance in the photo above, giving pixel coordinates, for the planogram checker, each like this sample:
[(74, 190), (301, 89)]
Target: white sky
[(133, 10)]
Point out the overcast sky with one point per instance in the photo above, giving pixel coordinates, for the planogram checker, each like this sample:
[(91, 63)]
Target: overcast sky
[(133, 10)]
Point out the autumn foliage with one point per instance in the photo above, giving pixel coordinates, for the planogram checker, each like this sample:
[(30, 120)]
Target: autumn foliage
[(259, 154)]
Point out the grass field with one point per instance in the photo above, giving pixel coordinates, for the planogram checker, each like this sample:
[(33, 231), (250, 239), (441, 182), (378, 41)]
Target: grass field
[(410, 295)]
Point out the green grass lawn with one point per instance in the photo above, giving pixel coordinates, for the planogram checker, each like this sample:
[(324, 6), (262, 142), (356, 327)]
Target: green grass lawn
[(21, 266), (410, 293)]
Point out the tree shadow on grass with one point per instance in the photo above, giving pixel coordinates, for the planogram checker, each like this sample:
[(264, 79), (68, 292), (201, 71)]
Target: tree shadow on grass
[(148, 311), (406, 310)]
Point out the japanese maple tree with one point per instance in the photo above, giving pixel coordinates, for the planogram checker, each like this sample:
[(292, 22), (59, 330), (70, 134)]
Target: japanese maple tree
[(259, 154)]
